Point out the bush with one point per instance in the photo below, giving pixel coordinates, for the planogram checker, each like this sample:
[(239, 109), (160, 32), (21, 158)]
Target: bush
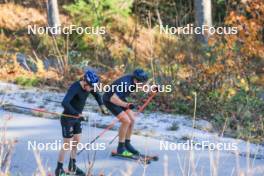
[(243, 115), (26, 81), (174, 127), (98, 12)]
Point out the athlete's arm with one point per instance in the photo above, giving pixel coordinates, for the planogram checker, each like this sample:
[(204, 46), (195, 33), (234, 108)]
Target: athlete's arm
[(117, 101), (97, 97), (67, 99)]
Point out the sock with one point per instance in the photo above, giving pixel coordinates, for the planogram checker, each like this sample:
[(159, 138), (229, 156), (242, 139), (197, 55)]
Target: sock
[(121, 144), (59, 165), (121, 147)]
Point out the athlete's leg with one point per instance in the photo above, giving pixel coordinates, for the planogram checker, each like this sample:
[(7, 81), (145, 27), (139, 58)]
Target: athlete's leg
[(66, 146), (63, 151), (128, 146), (67, 134), (76, 139), (125, 123), (131, 116), (72, 164), (77, 130)]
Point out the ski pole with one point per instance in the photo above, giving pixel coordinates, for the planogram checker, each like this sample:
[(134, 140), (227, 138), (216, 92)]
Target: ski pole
[(116, 120), (44, 111), (141, 108), (113, 140), (101, 134), (46, 99), (55, 101)]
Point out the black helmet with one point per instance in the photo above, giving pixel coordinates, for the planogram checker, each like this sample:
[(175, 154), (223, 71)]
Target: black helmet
[(140, 75)]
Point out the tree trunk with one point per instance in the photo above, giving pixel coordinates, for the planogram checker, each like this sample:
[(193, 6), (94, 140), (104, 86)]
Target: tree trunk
[(53, 15), (203, 16)]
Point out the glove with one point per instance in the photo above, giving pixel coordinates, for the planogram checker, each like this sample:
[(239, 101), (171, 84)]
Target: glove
[(104, 110), (155, 89), (83, 118), (130, 106)]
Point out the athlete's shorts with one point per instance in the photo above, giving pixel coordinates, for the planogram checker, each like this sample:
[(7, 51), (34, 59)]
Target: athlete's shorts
[(70, 127), (115, 109)]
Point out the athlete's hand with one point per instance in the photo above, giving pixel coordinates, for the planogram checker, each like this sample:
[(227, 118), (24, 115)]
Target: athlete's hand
[(130, 106), (104, 110), (83, 118), (155, 89)]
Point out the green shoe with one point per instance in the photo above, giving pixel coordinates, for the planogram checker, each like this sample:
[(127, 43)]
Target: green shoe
[(126, 153)]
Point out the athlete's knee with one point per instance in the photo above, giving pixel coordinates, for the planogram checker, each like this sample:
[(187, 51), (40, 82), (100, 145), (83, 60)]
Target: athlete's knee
[(124, 119), (132, 123), (66, 143), (131, 116), (77, 138), (67, 140)]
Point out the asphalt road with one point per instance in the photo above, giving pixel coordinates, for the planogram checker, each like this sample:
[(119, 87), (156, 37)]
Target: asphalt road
[(28, 129)]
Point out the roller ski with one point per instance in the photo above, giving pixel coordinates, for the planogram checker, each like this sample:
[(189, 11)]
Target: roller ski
[(126, 155), (77, 172), (149, 157), (135, 152), (73, 170), (61, 172)]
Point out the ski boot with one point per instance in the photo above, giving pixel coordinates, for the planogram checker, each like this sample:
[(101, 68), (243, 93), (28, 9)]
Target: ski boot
[(60, 172), (74, 169), (121, 150), (130, 148)]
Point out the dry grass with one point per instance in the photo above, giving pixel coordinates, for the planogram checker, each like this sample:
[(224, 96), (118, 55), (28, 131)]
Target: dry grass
[(11, 70), (6, 148), (17, 17)]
